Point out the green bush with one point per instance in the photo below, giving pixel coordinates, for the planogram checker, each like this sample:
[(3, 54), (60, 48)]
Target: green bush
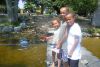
[(93, 30)]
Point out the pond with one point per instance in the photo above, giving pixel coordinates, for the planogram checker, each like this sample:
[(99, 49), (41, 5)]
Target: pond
[(35, 55), (13, 56)]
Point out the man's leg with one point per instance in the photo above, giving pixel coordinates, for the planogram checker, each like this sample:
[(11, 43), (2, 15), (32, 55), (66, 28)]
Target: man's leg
[(73, 63)]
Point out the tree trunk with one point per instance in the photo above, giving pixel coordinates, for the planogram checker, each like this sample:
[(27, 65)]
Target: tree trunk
[(42, 8), (12, 10)]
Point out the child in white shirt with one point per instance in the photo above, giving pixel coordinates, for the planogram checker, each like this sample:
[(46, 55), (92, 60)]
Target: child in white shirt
[(56, 25)]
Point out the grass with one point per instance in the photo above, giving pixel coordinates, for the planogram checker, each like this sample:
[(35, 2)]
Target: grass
[(93, 45), (5, 24)]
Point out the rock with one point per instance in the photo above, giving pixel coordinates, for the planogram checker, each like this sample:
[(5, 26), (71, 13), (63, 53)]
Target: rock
[(17, 29), (7, 29)]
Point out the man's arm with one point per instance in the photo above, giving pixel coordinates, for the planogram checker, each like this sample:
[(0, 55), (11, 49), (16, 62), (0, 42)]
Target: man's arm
[(74, 46)]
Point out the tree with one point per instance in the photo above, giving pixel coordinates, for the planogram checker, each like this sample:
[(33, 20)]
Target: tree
[(81, 7), (3, 6), (54, 4), (29, 5), (84, 7)]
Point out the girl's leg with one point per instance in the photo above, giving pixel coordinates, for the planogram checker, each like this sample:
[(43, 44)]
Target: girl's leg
[(53, 56), (53, 59), (59, 59), (65, 64)]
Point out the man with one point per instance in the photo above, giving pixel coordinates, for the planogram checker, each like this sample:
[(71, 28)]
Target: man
[(73, 40)]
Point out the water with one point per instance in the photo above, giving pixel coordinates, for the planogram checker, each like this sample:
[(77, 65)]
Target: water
[(14, 56), (35, 55)]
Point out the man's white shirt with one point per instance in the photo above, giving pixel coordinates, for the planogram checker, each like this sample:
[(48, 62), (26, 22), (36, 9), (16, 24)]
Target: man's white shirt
[(74, 30)]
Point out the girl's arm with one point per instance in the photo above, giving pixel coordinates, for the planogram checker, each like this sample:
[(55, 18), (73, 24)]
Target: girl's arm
[(60, 42)]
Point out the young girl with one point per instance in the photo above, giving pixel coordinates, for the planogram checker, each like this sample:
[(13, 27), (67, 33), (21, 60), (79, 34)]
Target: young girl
[(55, 37)]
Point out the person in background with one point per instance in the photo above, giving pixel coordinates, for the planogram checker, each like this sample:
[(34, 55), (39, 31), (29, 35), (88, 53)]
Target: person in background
[(62, 37)]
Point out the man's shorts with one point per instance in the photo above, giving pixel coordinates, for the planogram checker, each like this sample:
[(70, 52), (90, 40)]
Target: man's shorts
[(64, 55), (73, 63)]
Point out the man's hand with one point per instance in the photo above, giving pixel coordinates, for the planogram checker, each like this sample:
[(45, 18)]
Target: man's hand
[(70, 54)]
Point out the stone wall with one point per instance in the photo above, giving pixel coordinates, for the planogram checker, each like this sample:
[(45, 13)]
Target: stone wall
[(41, 19), (3, 18)]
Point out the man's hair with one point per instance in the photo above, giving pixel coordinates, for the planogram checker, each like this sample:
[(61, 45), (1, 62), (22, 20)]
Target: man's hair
[(72, 14)]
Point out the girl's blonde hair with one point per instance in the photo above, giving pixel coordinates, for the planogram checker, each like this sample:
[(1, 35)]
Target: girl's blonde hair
[(56, 18)]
